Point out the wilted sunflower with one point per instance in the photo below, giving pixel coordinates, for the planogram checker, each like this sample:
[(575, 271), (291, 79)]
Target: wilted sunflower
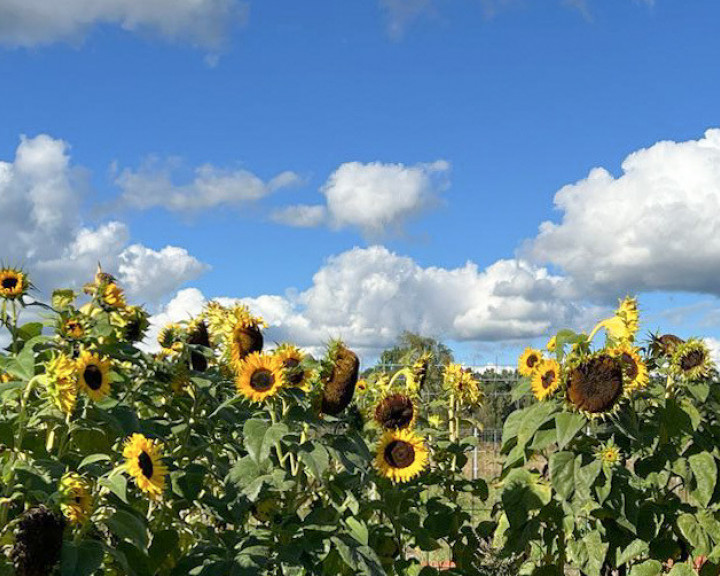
[(528, 361), (245, 337), (13, 283), (135, 323), (595, 384), (664, 345), (76, 502), (635, 371), (624, 325), (462, 384), (291, 358), (38, 542), (198, 335), (691, 360), (339, 379), (62, 382), (396, 412), (112, 296), (420, 371), (259, 376), (143, 461), (545, 379), (93, 375), (400, 455)]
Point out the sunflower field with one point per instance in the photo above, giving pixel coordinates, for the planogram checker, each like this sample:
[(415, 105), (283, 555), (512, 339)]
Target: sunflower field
[(219, 454)]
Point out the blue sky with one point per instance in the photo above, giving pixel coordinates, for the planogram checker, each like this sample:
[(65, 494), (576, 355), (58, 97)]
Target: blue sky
[(491, 107)]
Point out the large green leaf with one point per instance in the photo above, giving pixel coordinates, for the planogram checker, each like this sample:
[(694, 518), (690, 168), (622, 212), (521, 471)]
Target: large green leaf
[(647, 568), (562, 473), (567, 425), (704, 469), (81, 559)]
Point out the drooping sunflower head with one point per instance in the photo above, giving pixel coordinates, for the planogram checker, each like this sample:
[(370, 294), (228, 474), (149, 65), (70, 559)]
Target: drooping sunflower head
[(112, 296), (136, 323), (340, 375), (170, 339), (609, 454), (420, 370), (296, 375), (545, 379), (400, 455), (628, 311), (462, 384), (635, 372), (259, 376), (246, 336), (528, 361), (38, 542), (93, 375), (14, 283), (595, 383), (76, 498), (143, 461), (664, 346), (396, 412), (62, 382), (198, 335), (691, 360)]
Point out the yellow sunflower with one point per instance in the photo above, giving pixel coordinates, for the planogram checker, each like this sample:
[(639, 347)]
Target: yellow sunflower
[(13, 283), (93, 375), (259, 376), (62, 382), (419, 371), (635, 371), (691, 359), (400, 455), (361, 386), (545, 379), (396, 412), (595, 384), (628, 311), (170, 338), (143, 461), (73, 328), (528, 361), (609, 454), (112, 296), (624, 325), (295, 374), (552, 344), (76, 500), (462, 383), (245, 337)]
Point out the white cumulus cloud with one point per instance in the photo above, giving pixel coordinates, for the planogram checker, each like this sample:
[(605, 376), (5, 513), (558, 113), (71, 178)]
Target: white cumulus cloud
[(301, 215), (152, 185), (655, 227), (44, 229), (204, 23)]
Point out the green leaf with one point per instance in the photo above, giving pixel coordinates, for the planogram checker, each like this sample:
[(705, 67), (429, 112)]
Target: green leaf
[(260, 436), (562, 473), (631, 551), (567, 425), (62, 299), (92, 459), (596, 550), (80, 559), (130, 527), (315, 456), (704, 469), (682, 570), (647, 568), (693, 533), (358, 530), (534, 418), (164, 543), (117, 484)]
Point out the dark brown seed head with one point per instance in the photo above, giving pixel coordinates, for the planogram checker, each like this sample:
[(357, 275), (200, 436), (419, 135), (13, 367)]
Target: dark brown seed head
[(246, 340), (93, 377), (38, 541), (399, 454), (339, 387), (596, 384), (395, 412)]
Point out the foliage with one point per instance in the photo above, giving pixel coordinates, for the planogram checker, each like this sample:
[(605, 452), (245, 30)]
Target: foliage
[(211, 456), (616, 482)]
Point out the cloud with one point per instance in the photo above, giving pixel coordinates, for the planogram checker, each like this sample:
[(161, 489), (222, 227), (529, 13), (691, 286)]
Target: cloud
[(714, 345), (184, 305), (204, 23), (369, 296), (655, 227), (399, 14), (152, 186), (375, 198), (41, 196)]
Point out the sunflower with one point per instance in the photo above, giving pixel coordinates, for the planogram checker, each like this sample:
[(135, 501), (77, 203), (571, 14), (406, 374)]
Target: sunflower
[(595, 384), (664, 345), (13, 283), (143, 461), (635, 371), (691, 360), (245, 337), (112, 296), (38, 542), (628, 311), (528, 361), (259, 376), (72, 328), (552, 344), (545, 379), (62, 382), (341, 375), (170, 338), (197, 335), (400, 455), (462, 384), (396, 412), (76, 503), (361, 386), (93, 375), (292, 358), (134, 322), (609, 454), (420, 370)]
